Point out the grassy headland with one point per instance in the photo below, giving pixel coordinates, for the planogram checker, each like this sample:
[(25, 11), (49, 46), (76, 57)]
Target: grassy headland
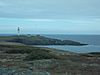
[(38, 40)]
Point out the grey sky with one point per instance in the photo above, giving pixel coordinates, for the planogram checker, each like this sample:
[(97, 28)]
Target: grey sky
[(70, 14)]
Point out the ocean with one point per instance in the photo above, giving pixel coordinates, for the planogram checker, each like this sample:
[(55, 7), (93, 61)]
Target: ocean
[(92, 40)]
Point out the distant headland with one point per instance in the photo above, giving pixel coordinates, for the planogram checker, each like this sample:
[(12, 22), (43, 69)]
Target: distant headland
[(38, 40)]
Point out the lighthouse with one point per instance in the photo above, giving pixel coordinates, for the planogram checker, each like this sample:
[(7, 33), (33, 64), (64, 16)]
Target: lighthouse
[(18, 30)]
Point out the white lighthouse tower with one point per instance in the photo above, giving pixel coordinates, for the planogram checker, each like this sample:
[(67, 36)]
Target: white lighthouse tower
[(18, 30)]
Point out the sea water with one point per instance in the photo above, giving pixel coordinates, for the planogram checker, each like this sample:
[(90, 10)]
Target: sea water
[(93, 42)]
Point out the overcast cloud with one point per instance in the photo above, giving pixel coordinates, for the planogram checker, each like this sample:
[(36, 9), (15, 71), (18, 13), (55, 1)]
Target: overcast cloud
[(47, 16)]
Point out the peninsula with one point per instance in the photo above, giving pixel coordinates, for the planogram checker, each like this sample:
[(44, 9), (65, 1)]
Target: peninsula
[(39, 40)]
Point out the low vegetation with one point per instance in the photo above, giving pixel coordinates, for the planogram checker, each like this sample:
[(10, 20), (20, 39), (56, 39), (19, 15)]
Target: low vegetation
[(24, 59), (33, 53)]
